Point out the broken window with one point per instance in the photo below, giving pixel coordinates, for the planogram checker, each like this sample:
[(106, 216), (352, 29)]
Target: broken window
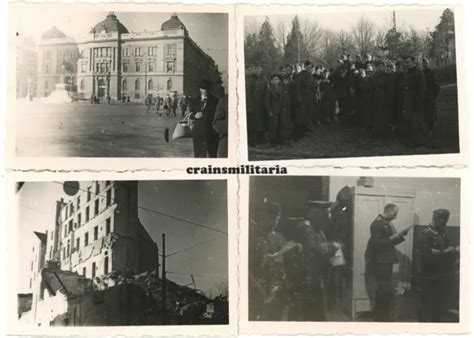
[(78, 243), (96, 207), (107, 226), (86, 239), (84, 271), (96, 232), (93, 269), (109, 197), (106, 265), (87, 214), (88, 194)]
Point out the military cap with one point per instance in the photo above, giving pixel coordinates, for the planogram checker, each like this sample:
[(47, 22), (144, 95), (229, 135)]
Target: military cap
[(441, 214)]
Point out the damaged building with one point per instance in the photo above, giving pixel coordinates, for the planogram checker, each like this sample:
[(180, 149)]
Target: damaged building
[(97, 265)]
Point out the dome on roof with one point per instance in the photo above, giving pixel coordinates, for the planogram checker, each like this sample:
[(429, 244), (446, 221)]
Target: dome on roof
[(109, 25), (173, 24), (53, 33)]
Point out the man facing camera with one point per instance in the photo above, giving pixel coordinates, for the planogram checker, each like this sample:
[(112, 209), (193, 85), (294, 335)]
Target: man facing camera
[(380, 257), (437, 268), (205, 138)]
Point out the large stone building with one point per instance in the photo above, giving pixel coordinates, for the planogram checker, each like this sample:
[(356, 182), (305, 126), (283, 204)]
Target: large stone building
[(57, 62), (112, 61)]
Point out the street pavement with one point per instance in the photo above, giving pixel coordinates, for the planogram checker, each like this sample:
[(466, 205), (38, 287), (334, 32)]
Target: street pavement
[(95, 130)]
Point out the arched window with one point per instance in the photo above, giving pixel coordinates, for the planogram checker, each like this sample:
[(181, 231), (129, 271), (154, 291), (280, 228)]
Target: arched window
[(125, 85), (150, 84), (169, 84), (83, 84), (137, 84)]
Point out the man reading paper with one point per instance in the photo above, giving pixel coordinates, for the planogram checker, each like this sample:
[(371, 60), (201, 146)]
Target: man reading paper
[(380, 256)]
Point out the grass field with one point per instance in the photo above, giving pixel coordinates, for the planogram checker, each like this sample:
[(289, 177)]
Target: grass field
[(336, 141)]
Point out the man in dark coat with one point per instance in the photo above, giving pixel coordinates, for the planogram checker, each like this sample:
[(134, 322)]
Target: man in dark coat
[(305, 95), (274, 107), (431, 93), (437, 268), (380, 256), (413, 122), (344, 87), (205, 138), (255, 88), (220, 125)]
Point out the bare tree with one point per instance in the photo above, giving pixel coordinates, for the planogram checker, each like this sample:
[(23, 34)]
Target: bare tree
[(344, 43), (363, 33), (282, 29), (312, 39)]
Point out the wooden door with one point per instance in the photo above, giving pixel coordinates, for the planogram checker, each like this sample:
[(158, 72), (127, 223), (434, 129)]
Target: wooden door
[(366, 209)]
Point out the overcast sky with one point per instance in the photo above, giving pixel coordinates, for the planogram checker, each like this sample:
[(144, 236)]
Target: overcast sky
[(203, 202), (208, 30), (420, 19)]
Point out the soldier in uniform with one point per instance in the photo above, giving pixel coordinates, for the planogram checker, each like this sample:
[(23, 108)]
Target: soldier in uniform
[(431, 93), (274, 108), (437, 268), (414, 99), (312, 302), (380, 256), (305, 95), (255, 92)]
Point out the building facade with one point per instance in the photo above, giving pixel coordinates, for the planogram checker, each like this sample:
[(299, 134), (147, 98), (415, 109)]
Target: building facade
[(26, 68), (118, 64), (99, 232), (57, 62)]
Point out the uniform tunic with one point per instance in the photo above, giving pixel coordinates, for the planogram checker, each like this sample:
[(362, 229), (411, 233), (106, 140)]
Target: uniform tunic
[(436, 274), (380, 257)]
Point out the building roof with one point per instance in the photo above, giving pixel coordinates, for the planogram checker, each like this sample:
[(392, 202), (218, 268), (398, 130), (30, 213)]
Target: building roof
[(172, 24), (53, 33), (42, 236), (109, 25)]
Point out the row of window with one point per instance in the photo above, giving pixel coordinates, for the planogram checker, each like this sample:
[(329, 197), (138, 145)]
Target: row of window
[(71, 225), (61, 53), (67, 250), (170, 66), (69, 208), (151, 51), (94, 268), (103, 51), (150, 85)]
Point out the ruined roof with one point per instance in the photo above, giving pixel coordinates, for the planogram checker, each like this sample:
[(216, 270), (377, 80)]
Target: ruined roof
[(42, 236), (67, 282), (53, 33), (172, 24), (110, 25)]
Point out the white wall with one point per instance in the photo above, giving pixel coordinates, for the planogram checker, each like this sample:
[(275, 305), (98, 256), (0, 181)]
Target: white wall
[(431, 193)]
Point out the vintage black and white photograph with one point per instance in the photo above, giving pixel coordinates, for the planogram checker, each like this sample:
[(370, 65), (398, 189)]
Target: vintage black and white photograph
[(361, 249), (351, 82), (122, 253), (92, 83)]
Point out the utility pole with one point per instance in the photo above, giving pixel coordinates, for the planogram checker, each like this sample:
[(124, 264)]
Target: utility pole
[(163, 280)]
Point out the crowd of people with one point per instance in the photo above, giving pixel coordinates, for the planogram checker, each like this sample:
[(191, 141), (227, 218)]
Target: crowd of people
[(295, 274), (169, 104), (383, 97)]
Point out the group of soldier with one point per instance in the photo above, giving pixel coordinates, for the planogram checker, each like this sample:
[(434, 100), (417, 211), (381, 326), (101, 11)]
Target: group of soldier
[(382, 97), (169, 104), (294, 279)]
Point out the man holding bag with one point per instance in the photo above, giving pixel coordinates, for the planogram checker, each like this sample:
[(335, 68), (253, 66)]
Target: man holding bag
[(205, 138)]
